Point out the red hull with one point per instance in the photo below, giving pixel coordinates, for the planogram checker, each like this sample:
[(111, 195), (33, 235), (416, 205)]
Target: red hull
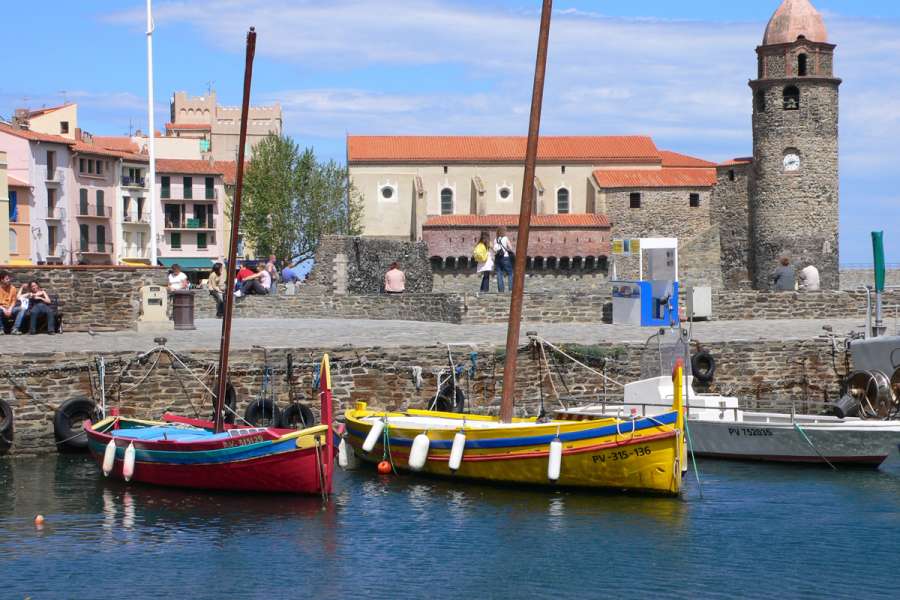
[(290, 472)]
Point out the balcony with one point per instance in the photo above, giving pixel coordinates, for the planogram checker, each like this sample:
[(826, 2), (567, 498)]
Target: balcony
[(135, 182), (86, 247), (136, 219), (55, 213), (94, 211), (54, 176), (191, 224), (208, 196)]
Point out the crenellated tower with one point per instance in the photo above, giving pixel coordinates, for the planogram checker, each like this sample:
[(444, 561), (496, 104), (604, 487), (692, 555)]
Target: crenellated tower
[(793, 198)]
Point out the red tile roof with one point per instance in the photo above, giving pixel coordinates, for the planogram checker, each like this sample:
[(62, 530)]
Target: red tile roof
[(49, 109), (737, 161), (676, 159), (655, 178), (188, 167), (14, 182), (34, 135), (122, 143), (572, 220), (82, 147), (229, 170), (431, 149), (198, 126)]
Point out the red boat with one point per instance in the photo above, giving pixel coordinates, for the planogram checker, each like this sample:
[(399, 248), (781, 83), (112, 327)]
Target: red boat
[(189, 453)]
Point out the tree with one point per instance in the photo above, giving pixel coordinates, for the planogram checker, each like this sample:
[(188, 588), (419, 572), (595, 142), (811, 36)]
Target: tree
[(291, 200)]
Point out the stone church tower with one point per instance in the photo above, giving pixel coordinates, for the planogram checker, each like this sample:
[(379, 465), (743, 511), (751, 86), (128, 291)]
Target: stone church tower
[(793, 187)]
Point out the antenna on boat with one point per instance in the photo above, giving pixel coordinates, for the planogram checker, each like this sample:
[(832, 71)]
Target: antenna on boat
[(232, 247), (518, 287)]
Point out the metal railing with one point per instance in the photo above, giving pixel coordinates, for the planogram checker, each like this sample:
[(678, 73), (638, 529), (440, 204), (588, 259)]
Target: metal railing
[(190, 224), (93, 210), (86, 247), (56, 213), (129, 181), (142, 218), (135, 252)]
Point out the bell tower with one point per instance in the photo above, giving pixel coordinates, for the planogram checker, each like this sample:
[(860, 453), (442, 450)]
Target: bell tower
[(793, 193)]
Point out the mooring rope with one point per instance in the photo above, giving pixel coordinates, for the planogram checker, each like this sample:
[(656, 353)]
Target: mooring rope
[(811, 445)]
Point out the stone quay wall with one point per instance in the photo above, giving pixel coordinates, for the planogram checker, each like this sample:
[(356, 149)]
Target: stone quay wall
[(103, 298), (762, 374), (746, 305), (853, 278)]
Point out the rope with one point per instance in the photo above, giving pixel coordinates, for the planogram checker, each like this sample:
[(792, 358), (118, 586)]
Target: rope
[(578, 362), (550, 377), (386, 445), (813, 446), (690, 442), (319, 468)]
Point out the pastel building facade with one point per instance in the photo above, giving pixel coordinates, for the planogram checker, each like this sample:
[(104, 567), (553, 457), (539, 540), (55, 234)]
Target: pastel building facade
[(190, 212)]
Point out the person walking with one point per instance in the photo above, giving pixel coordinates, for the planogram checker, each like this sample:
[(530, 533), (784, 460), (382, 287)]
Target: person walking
[(216, 288), (784, 277), (484, 256), (394, 280), (503, 259)]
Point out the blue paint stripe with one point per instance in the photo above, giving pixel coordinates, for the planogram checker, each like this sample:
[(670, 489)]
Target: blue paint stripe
[(220, 456), (574, 436)]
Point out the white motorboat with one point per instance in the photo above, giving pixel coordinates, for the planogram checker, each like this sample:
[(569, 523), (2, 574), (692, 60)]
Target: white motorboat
[(720, 428)]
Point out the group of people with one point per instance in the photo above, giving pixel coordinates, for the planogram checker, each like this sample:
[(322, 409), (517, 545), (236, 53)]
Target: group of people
[(261, 280), (28, 300), (786, 279), (496, 255)]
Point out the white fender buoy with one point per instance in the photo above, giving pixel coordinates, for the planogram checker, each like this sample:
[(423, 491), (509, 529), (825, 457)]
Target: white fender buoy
[(418, 454), (343, 459), (374, 436), (456, 451), (128, 463), (554, 466), (109, 458)]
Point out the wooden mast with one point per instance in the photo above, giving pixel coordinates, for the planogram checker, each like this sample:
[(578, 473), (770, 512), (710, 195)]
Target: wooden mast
[(518, 288), (232, 248)]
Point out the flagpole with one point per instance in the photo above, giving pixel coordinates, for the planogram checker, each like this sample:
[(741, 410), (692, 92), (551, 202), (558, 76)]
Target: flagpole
[(151, 134)]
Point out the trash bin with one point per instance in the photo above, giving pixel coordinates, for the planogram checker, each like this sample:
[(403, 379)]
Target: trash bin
[(183, 309)]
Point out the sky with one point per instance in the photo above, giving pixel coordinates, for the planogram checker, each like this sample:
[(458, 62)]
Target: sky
[(676, 71)]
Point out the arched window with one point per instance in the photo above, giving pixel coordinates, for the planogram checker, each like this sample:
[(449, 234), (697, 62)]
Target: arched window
[(791, 98), (13, 242), (562, 201), (801, 65), (760, 101), (446, 201)]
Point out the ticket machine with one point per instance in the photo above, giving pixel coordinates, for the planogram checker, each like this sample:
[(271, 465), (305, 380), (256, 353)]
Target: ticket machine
[(652, 300)]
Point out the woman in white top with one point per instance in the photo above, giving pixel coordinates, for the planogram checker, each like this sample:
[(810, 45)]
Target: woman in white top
[(485, 267), (177, 279)]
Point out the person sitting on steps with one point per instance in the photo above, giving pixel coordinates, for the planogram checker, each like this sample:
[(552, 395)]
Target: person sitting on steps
[(259, 283), (39, 303)]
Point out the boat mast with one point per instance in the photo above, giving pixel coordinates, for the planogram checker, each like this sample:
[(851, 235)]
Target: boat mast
[(518, 288), (232, 248)]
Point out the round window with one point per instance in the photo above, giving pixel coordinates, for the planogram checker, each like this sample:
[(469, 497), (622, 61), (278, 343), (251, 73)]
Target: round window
[(505, 193), (387, 192)]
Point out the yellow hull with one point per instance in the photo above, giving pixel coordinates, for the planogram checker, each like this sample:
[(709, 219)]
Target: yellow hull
[(643, 455)]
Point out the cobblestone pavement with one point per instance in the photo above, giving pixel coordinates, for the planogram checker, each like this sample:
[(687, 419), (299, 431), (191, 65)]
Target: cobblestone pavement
[(308, 333)]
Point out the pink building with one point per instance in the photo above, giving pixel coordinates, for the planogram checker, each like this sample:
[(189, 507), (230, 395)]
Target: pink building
[(191, 197), (92, 203)]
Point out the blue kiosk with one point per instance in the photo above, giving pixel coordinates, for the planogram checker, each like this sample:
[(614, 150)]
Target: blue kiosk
[(652, 301)]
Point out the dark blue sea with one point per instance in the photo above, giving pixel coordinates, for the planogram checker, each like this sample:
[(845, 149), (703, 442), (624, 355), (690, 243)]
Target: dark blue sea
[(757, 531)]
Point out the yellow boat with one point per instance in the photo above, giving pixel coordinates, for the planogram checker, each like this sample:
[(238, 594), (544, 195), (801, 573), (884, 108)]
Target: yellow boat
[(642, 454)]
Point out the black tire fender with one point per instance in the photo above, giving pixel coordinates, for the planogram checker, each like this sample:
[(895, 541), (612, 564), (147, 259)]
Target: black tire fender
[(297, 416), (67, 420), (703, 366), (448, 402), (263, 413), (7, 424), (230, 402)]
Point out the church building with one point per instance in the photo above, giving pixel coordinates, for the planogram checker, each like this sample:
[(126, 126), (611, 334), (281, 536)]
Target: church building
[(733, 220)]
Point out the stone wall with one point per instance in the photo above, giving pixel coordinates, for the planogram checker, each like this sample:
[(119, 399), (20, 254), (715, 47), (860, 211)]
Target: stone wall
[(731, 214), (760, 373), (357, 265), (99, 298), (853, 278), (744, 305), (666, 213)]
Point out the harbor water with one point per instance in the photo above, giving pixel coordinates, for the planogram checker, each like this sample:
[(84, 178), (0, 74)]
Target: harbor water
[(757, 531)]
